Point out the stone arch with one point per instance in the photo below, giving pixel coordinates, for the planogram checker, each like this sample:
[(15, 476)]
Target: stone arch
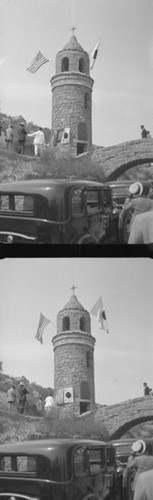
[(65, 64), (126, 166), (65, 323), (82, 324), (128, 425)]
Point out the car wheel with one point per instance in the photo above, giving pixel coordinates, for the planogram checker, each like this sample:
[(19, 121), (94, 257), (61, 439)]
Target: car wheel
[(86, 240)]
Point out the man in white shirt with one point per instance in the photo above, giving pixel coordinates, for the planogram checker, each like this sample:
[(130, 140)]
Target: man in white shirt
[(39, 140), (49, 403)]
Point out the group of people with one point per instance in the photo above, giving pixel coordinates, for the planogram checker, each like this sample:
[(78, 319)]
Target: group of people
[(39, 139), (140, 203), (17, 398), (141, 460)]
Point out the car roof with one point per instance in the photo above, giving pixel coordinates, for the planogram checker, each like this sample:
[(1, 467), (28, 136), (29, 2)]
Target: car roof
[(33, 185), (43, 445)]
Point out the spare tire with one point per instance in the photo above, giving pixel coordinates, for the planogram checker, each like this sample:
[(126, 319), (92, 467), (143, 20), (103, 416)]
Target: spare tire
[(125, 220)]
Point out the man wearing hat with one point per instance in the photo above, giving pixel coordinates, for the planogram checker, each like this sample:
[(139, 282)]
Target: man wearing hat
[(21, 138), (141, 459), (22, 397), (137, 202)]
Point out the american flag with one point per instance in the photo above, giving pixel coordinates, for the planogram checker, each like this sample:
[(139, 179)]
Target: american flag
[(43, 322), (99, 312), (93, 54), (38, 61)]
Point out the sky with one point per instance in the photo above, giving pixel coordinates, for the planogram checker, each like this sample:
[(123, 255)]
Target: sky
[(123, 72), (123, 358)]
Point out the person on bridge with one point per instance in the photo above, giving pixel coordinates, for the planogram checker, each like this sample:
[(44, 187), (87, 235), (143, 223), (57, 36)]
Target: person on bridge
[(146, 389), (141, 459), (144, 132)]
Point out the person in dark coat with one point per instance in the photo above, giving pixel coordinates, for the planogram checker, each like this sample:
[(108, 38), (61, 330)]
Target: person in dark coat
[(144, 132), (22, 397), (21, 138)]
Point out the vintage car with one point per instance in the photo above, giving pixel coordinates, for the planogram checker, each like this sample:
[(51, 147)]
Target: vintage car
[(57, 211), (119, 192), (61, 469)]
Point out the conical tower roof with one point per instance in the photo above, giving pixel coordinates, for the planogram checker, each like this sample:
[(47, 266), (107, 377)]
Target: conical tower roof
[(74, 304), (73, 44)]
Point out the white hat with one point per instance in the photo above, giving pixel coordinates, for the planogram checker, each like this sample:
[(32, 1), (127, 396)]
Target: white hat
[(21, 383), (139, 446), (136, 188)]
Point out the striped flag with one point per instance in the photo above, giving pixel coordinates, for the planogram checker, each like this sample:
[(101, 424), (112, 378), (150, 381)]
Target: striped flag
[(38, 61), (93, 54), (43, 322), (99, 312)]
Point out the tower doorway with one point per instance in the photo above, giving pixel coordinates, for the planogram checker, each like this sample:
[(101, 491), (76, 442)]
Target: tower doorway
[(84, 406)]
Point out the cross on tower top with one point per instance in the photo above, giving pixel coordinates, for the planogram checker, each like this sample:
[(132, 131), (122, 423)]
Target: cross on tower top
[(73, 288), (73, 29)]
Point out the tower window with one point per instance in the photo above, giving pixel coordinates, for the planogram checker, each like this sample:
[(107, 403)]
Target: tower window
[(82, 324), (86, 100), (84, 391), (82, 131), (65, 64), (66, 324), (81, 65), (88, 359)]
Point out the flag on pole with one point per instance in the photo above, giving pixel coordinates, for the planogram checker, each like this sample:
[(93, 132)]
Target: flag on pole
[(99, 312), (38, 61), (93, 54), (43, 322)]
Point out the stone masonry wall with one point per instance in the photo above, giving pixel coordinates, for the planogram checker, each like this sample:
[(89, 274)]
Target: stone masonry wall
[(74, 320), (70, 368)]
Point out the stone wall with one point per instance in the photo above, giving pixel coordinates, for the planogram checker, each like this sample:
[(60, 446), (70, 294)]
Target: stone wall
[(115, 160), (119, 418)]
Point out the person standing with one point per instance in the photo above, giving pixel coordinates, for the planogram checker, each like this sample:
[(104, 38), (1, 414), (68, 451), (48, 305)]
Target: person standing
[(22, 397), (49, 403), (146, 389), (9, 134), (140, 460), (39, 140), (144, 486), (21, 138), (141, 232), (144, 132), (11, 398)]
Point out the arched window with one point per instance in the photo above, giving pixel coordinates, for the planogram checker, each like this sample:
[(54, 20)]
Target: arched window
[(82, 324), (81, 65), (84, 390), (88, 359), (86, 100), (66, 323), (65, 64), (82, 131)]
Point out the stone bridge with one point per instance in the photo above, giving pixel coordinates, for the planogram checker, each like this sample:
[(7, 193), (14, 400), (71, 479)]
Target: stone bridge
[(115, 160), (121, 417)]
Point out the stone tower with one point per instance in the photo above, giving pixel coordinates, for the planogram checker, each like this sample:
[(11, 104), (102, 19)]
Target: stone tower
[(74, 358), (72, 100)]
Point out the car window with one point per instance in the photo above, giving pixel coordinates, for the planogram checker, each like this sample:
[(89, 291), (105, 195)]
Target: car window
[(18, 464), (85, 201), (17, 203), (88, 460)]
